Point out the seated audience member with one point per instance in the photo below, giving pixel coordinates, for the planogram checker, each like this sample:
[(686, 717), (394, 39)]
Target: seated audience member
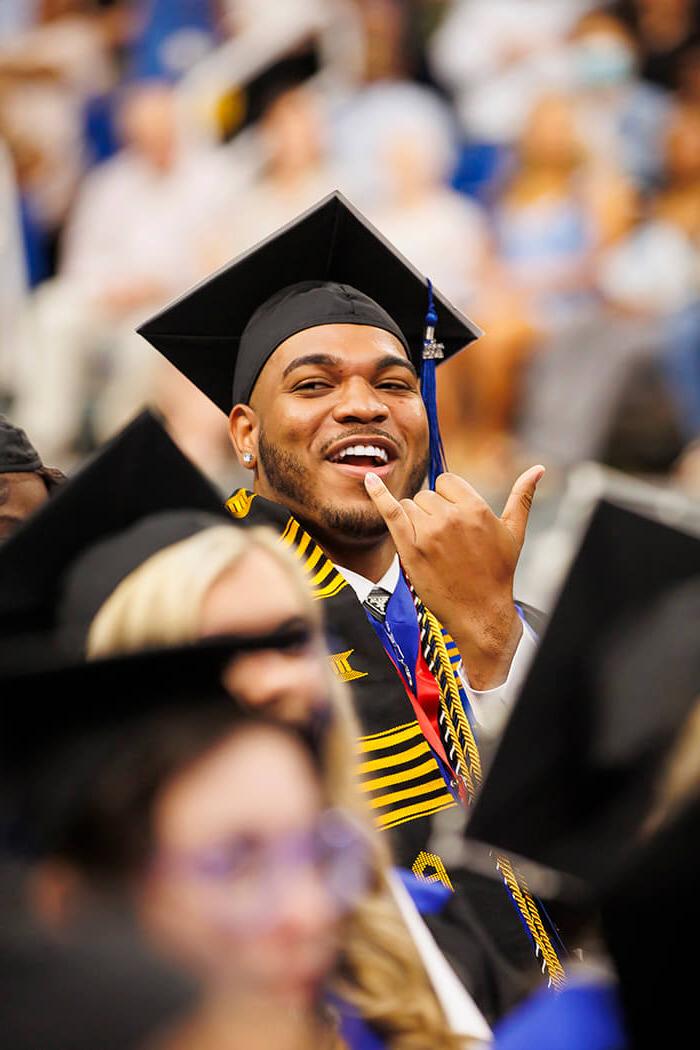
[(215, 830), (550, 218), (25, 483), (131, 243), (497, 57), (622, 117), (665, 30), (397, 141)]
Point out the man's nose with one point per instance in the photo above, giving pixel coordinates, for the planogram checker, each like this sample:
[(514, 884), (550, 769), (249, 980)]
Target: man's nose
[(358, 402)]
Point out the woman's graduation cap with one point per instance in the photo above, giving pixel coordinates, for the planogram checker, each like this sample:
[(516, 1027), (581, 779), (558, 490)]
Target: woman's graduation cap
[(139, 473), (61, 723), (575, 771), (329, 266)]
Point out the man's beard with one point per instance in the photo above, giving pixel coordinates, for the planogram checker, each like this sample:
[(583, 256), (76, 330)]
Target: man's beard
[(292, 481)]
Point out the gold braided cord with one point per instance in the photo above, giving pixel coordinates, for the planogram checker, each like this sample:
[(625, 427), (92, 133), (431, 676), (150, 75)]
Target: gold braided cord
[(530, 913), (451, 705), (451, 702)]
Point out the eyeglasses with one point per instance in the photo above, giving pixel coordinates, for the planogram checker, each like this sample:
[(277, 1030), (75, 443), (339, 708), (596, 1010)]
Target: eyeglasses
[(247, 875)]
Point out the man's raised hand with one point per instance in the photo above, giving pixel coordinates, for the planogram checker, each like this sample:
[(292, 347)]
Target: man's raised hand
[(461, 559)]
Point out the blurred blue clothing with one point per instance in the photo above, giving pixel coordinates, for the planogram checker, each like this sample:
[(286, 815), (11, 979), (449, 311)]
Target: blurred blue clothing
[(582, 1016), (680, 364), (174, 34), (36, 248), (429, 898)]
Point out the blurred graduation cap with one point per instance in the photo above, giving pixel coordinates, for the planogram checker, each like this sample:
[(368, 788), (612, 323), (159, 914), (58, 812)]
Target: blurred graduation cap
[(17, 454), (574, 773), (62, 723), (650, 918), (99, 987), (245, 104), (328, 266), (140, 472)]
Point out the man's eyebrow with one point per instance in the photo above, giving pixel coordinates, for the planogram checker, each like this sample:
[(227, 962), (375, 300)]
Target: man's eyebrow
[(310, 359), (388, 361), (392, 361)]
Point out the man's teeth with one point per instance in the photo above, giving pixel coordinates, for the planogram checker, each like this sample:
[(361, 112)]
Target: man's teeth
[(364, 450)]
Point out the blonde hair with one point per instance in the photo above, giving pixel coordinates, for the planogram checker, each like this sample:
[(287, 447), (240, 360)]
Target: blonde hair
[(680, 777), (159, 603)]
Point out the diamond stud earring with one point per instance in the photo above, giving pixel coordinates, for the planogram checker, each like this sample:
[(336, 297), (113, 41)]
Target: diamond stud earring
[(247, 457)]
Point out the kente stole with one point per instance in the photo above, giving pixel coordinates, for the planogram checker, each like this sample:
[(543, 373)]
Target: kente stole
[(405, 779)]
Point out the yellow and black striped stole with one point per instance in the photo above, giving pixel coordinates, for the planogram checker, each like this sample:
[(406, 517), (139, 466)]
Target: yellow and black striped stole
[(443, 659), (400, 777), (324, 579)]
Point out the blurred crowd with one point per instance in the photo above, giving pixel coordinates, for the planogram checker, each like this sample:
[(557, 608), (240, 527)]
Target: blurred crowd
[(539, 159)]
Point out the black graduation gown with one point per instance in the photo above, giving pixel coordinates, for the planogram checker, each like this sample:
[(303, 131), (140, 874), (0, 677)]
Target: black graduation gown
[(479, 931)]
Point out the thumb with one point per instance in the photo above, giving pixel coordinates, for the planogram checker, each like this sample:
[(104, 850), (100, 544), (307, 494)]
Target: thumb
[(517, 509)]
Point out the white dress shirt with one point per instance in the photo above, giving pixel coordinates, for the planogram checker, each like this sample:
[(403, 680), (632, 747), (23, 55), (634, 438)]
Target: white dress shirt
[(490, 707)]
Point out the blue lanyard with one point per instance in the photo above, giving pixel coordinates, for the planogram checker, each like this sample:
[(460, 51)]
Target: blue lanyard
[(399, 633)]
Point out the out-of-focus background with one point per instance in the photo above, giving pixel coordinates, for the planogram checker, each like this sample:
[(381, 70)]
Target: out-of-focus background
[(539, 159)]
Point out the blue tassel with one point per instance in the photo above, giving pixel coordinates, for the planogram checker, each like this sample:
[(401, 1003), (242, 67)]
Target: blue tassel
[(432, 352)]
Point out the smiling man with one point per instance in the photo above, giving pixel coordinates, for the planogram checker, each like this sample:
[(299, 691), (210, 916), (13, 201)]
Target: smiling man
[(319, 344)]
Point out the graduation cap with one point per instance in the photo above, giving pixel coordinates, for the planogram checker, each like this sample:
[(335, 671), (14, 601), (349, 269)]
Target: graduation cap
[(250, 100), (575, 771), (140, 472), (650, 918), (61, 723), (329, 266), (99, 986), (17, 454)]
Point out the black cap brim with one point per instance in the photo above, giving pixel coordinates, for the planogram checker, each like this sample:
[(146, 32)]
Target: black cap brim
[(570, 783), (139, 472), (200, 333)]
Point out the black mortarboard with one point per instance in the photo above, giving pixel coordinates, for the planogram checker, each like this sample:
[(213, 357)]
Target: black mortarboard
[(60, 724), (329, 266), (112, 691), (98, 986), (650, 918), (140, 472), (574, 773), (17, 454)]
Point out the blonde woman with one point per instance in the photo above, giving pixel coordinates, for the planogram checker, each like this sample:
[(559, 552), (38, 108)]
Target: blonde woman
[(224, 580)]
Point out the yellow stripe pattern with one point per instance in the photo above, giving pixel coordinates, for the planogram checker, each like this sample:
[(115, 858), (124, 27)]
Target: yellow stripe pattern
[(400, 777), (324, 579)]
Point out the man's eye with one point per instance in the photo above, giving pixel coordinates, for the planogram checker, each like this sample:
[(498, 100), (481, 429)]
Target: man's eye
[(313, 384), (393, 384)]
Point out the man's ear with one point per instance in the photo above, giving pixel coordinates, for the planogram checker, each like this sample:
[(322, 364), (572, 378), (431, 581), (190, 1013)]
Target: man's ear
[(243, 429)]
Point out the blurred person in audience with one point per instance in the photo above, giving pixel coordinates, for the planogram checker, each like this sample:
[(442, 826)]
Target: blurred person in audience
[(552, 216), (207, 829), (48, 73), (25, 483), (131, 243), (397, 147), (220, 836), (191, 590), (292, 134), (665, 30), (622, 118), (498, 56)]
